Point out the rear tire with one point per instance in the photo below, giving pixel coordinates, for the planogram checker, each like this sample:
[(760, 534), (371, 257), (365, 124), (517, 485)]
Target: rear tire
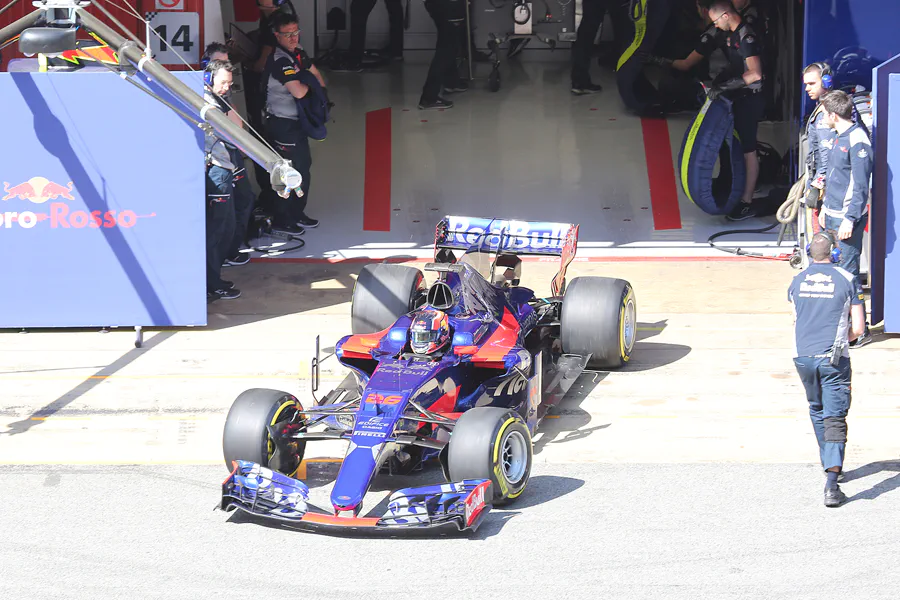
[(383, 293), (491, 443), (245, 436), (599, 317)]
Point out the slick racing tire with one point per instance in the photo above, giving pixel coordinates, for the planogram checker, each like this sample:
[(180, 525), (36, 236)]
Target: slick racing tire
[(383, 293), (246, 436), (599, 317), (492, 443), (711, 137)]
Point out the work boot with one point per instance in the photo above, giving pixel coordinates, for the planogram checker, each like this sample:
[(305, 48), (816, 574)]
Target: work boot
[(834, 497)]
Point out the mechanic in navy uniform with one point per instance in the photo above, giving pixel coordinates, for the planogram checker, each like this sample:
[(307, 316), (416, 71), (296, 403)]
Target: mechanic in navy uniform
[(448, 16), (742, 83), (829, 313), (243, 191), (283, 90), (846, 199), (817, 80), (592, 14), (220, 214)]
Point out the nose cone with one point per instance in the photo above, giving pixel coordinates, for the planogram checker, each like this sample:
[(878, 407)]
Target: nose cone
[(356, 472)]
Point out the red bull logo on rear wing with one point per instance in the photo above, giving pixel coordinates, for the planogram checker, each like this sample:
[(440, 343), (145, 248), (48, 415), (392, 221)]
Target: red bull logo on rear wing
[(541, 238)]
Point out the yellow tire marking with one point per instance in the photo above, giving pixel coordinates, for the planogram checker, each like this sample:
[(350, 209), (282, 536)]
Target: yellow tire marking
[(689, 148), (640, 30)]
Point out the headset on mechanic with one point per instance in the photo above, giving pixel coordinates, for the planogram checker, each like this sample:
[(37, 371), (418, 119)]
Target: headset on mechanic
[(243, 191), (818, 80), (823, 296), (218, 75)]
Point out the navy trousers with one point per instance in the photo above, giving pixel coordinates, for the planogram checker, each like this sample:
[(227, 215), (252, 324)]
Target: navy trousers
[(828, 392)]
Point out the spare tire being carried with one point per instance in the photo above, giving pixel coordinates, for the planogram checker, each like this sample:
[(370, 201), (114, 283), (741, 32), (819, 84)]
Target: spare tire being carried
[(711, 137), (383, 293)]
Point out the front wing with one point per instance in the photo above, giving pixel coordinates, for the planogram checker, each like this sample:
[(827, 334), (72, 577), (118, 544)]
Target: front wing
[(260, 491)]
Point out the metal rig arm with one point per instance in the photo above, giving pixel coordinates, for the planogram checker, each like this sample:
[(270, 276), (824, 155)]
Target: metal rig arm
[(284, 177)]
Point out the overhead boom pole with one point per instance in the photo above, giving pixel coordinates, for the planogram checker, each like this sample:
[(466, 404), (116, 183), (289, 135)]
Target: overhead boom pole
[(284, 177)]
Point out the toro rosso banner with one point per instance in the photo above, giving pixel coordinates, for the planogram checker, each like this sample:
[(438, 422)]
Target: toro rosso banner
[(102, 204)]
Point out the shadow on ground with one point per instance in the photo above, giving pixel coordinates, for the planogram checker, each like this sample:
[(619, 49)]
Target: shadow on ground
[(888, 485)]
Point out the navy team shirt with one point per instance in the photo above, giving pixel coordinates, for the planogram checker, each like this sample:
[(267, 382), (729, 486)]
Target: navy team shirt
[(822, 296)]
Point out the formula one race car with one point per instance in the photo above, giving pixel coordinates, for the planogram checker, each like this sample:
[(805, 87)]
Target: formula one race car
[(462, 371)]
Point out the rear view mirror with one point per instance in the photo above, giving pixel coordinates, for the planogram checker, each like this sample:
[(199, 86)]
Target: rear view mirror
[(50, 41)]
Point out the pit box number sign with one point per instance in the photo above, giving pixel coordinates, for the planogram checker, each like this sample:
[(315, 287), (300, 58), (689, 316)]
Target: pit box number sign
[(181, 32)]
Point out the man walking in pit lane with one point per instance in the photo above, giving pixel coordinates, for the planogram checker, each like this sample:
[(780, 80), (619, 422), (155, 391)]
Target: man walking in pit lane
[(828, 313), (845, 206)]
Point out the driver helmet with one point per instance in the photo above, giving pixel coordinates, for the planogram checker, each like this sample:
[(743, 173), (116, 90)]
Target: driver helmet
[(429, 332)]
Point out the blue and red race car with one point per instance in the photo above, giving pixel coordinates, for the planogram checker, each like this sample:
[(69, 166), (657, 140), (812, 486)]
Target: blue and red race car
[(503, 357)]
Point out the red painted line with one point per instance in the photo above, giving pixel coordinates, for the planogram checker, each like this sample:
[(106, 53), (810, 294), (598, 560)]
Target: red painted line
[(377, 187), (661, 173)]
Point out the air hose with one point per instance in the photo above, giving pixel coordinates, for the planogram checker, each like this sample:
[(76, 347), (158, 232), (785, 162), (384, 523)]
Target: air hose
[(786, 214)]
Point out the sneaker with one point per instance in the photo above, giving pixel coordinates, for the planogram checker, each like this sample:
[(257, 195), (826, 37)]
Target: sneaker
[(308, 222), (741, 211), (226, 294), (581, 89), (241, 258), (434, 104), (462, 86), (862, 340), (291, 228), (834, 497)]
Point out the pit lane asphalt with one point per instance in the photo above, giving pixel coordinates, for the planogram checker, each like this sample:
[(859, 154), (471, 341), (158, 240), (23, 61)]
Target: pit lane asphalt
[(717, 531)]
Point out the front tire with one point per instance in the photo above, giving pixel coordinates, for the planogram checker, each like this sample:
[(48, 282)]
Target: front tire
[(599, 317), (246, 436), (492, 443)]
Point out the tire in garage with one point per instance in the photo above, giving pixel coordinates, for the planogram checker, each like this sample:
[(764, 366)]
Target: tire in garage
[(711, 137), (599, 317), (383, 293), (245, 436), (491, 443)]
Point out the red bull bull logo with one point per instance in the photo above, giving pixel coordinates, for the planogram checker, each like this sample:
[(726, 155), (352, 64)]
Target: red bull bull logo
[(39, 190)]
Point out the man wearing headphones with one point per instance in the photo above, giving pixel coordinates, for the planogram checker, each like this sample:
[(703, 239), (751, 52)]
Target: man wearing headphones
[(823, 296), (845, 205), (243, 192), (818, 80), (217, 78), (284, 87)]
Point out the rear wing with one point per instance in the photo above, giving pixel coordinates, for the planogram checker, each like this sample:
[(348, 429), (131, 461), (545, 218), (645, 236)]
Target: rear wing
[(536, 238)]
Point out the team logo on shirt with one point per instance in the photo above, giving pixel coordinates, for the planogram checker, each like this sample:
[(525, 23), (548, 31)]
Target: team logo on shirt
[(817, 283), (749, 39), (862, 153)]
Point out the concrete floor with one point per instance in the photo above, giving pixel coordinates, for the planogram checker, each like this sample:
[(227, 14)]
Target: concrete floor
[(531, 151), (689, 474)]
